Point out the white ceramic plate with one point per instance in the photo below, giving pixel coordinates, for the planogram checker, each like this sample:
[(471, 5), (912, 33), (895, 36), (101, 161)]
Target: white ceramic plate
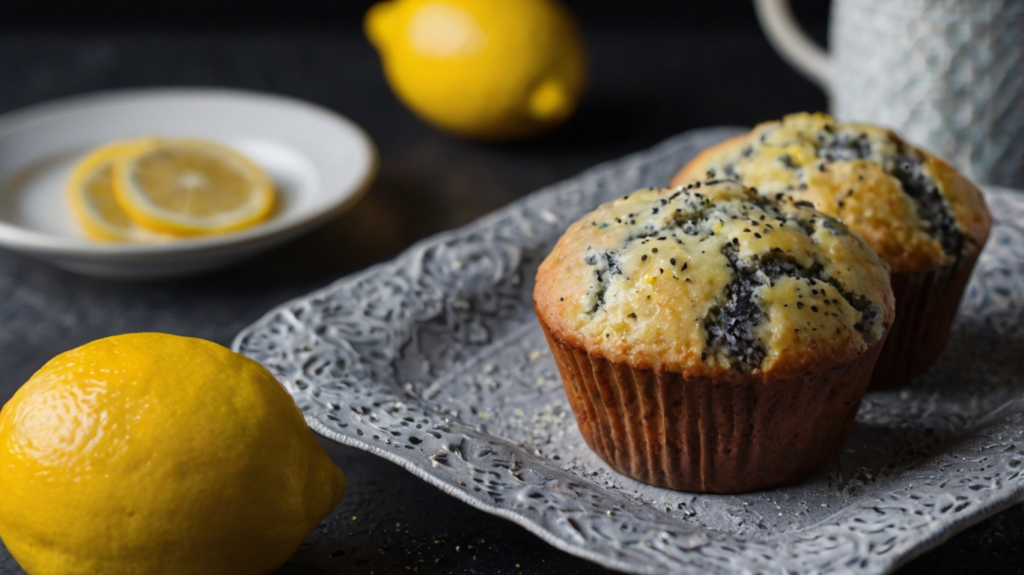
[(320, 162)]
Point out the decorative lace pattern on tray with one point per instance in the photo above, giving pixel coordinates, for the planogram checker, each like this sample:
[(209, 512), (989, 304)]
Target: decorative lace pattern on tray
[(434, 361)]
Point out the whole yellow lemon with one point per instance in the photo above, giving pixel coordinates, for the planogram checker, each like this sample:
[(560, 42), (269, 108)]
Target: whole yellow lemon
[(483, 69), (151, 453)]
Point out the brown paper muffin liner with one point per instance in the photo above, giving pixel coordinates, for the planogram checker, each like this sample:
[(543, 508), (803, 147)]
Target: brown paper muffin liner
[(729, 434), (926, 305)]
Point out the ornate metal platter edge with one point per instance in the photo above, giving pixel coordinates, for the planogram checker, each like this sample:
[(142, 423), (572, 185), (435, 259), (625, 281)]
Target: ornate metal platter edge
[(434, 361)]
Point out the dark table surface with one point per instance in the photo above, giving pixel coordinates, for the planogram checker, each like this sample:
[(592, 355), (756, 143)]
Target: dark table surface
[(647, 84)]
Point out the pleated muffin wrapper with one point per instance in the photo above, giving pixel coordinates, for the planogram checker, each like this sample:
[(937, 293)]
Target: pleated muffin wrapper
[(926, 306), (731, 433)]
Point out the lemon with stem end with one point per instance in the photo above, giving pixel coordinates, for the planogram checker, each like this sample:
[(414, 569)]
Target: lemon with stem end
[(156, 454), (483, 69)]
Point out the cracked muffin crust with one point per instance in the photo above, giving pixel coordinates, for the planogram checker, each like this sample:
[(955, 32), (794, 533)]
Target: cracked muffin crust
[(915, 210), (923, 218), (712, 276), (669, 303)]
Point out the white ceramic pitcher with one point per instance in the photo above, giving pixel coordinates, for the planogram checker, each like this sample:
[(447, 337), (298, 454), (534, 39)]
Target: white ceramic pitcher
[(947, 74)]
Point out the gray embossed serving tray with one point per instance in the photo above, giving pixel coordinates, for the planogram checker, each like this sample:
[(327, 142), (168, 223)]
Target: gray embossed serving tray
[(434, 361)]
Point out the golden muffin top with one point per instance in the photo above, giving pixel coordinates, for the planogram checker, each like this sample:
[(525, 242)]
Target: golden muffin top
[(711, 277), (915, 210)]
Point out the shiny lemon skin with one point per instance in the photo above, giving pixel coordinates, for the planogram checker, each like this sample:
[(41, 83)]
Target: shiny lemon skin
[(157, 454), (482, 69)]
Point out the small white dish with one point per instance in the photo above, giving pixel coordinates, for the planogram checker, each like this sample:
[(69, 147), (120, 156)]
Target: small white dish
[(320, 163)]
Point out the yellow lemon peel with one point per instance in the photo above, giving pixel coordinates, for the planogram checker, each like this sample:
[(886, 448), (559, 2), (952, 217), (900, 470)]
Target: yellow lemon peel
[(158, 454), (479, 68)]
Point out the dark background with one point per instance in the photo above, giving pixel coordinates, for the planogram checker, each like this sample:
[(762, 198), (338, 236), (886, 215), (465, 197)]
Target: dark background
[(225, 13), (658, 68)]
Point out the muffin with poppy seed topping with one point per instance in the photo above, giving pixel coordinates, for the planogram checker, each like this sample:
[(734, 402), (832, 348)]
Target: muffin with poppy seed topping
[(711, 339), (927, 221)]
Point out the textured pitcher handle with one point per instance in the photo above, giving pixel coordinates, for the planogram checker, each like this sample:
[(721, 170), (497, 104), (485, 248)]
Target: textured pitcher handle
[(792, 43)]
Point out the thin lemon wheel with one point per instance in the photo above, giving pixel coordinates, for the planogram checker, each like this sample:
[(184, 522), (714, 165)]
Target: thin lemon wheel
[(90, 194), (191, 187)]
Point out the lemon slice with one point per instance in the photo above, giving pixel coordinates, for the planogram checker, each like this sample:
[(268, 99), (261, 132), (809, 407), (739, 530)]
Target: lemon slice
[(191, 187), (93, 204)]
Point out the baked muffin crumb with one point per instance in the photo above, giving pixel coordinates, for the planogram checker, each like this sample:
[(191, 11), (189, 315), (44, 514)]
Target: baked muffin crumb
[(712, 339), (898, 197), (925, 220), (714, 268)]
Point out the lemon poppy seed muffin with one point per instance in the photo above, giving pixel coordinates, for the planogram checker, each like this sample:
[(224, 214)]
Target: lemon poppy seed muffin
[(711, 339), (926, 221)]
